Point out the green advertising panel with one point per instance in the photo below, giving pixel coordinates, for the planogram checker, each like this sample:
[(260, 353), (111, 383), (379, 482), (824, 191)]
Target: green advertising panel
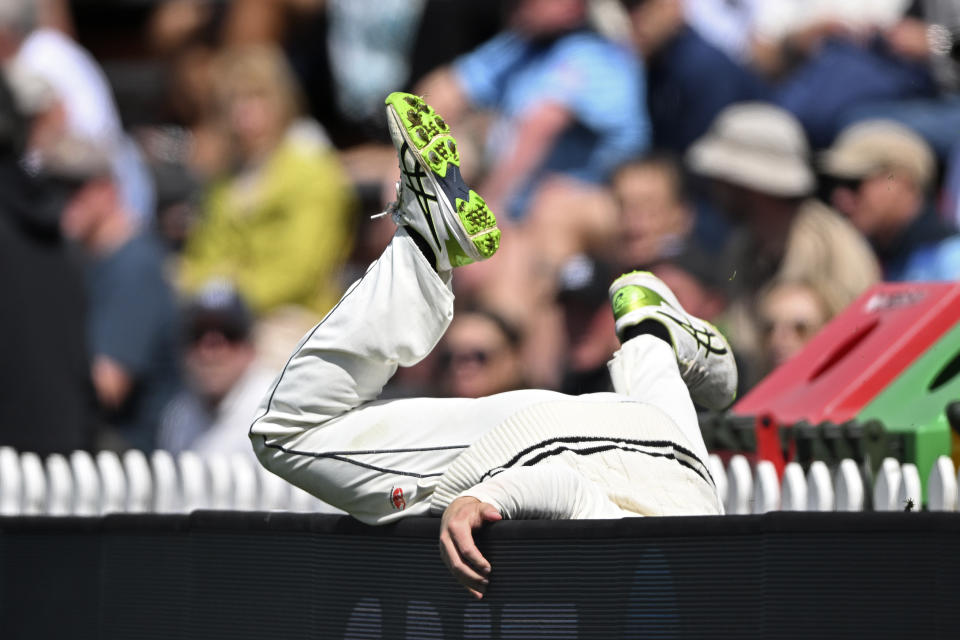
[(912, 408)]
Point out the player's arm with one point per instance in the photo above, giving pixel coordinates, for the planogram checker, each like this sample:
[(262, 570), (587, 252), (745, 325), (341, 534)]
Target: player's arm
[(457, 547), (544, 491)]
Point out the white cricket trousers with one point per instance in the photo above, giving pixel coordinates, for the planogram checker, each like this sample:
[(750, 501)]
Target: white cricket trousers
[(322, 428)]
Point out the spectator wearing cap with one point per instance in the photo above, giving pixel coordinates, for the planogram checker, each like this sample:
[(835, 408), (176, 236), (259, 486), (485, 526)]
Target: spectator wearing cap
[(225, 381), (756, 156), (133, 321), (882, 175)]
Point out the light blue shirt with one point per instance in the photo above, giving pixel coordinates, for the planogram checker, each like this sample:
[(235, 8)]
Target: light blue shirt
[(932, 263), (600, 82)]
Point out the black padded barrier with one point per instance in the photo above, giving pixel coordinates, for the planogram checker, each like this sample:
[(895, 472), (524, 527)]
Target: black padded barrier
[(280, 575)]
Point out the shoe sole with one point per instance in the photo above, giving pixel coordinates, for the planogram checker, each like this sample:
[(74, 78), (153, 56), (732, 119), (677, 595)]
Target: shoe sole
[(468, 217)]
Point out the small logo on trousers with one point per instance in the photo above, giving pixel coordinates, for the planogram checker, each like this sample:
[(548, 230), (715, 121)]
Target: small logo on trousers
[(396, 497)]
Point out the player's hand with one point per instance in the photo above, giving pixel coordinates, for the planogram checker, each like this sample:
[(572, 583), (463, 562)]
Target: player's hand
[(457, 548)]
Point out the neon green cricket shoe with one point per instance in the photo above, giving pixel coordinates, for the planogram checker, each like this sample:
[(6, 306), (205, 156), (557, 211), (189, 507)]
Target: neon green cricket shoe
[(432, 197), (704, 356)]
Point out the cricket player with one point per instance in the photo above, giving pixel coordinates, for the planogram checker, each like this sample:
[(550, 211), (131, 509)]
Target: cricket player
[(521, 454)]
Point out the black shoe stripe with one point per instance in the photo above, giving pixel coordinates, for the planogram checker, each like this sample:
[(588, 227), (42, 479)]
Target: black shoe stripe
[(698, 335), (423, 197)]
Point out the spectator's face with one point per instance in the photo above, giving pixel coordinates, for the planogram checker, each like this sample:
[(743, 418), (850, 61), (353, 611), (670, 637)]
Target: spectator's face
[(47, 128), (256, 121), (878, 205), (191, 97), (790, 315), (654, 23), (545, 17), (651, 216), (87, 209), (215, 360), (477, 359)]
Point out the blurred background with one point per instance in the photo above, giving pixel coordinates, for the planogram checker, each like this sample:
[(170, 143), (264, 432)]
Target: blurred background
[(187, 186)]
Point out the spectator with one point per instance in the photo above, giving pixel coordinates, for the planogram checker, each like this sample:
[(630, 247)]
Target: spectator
[(834, 57), (756, 156), (376, 36), (926, 36), (566, 100), (226, 382), (883, 173), (44, 372), (568, 107), (588, 323), (480, 355), (787, 32), (690, 81), (279, 223), (85, 97), (654, 218), (133, 319), (791, 312)]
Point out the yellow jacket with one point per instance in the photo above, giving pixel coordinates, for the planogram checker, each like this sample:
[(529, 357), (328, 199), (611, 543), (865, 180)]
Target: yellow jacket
[(280, 234)]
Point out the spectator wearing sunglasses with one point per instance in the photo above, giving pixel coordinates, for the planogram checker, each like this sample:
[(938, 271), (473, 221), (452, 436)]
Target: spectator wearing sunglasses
[(883, 173), (225, 380), (480, 355), (755, 157), (791, 312)]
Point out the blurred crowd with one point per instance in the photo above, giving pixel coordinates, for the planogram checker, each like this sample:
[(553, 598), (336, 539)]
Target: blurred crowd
[(187, 186)]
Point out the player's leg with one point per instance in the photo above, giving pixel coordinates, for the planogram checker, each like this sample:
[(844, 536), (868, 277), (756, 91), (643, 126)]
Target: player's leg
[(318, 426), (669, 358)]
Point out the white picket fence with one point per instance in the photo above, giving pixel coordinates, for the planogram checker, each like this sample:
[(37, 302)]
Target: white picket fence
[(85, 485), (745, 489)]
